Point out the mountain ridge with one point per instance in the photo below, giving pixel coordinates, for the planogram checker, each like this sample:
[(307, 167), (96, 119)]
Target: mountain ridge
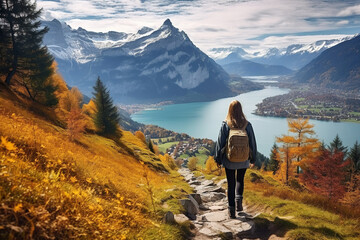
[(149, 66), (336, 67)]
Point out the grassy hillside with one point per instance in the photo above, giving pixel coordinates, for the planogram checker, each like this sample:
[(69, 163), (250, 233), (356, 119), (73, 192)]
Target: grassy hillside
[(93, 188)]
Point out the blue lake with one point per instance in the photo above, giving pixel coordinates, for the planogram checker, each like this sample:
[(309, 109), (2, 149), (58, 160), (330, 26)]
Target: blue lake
[(203, 120)]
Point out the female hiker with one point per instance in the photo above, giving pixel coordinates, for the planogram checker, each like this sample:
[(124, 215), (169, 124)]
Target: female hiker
[(235, 150)]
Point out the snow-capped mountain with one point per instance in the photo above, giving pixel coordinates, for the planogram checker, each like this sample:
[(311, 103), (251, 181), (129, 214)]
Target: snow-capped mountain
[(151, 65), (294, 56)]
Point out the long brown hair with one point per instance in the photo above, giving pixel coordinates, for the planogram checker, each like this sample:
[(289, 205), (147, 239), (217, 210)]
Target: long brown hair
[(235, 117)]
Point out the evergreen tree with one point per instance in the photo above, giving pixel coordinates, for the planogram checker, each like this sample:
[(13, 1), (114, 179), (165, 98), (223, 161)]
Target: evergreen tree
[(337, 146), (273, 162), (151, 147), (106, 117), (354, 156), (22, 53)]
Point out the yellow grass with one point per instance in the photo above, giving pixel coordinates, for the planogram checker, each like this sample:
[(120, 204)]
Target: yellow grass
[(89, 189)]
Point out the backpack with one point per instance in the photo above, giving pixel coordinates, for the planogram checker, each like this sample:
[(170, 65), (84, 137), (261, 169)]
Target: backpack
[(237, 149)]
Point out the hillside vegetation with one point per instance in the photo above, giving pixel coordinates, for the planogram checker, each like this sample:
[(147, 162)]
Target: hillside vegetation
[(90, 188)]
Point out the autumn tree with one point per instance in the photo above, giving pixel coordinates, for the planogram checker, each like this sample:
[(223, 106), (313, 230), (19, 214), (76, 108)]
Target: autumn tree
[(106, 117), (211, 166), (140, 135), (301, 145), (192, 163), (168, 161), (286, 166), (325, 174)]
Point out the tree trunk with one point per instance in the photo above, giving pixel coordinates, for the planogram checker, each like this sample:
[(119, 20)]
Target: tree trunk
[(14, 47)]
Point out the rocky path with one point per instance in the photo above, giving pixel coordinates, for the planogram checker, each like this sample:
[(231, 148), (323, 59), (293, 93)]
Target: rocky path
[(207, 209)]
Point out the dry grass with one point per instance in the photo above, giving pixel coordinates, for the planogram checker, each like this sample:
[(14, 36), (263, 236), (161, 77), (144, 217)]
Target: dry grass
[(93, 188)]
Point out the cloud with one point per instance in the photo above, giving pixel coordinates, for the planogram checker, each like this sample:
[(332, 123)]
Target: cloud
[(211, 23), (349, 11)]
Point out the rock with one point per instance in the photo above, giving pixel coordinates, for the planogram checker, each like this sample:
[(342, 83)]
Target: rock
[(169, 218), (213, 229), (221, 182), (203, 207), (208, 183), (217, 208), (212, 196), (189, 177), (195, 183), (203, 189), (218, 216), (238, 226), (197, 197), (180, 218), (190, 208)]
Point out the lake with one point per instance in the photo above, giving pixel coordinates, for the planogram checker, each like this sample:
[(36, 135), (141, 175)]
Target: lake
[(203, 120)]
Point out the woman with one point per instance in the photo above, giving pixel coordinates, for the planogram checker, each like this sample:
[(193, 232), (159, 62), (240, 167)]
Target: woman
[(235, 171)]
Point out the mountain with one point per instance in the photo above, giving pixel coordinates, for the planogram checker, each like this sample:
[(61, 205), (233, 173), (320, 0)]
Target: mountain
[(249, 68), (149, 66), (337, 67), (294, 56)]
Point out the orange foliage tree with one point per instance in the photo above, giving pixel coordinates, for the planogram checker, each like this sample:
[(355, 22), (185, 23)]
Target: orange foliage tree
[(211, 166), (140, 135), (301, 145), (325, 174), (286, 167)]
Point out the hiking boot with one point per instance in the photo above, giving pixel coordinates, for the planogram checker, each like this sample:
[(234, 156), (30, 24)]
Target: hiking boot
[(232, 212), (239, 206)]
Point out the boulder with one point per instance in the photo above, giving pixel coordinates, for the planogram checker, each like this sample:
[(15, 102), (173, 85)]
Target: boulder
[(169, 218), (191, 208), (221, 182), (180, 218), (197, 197)]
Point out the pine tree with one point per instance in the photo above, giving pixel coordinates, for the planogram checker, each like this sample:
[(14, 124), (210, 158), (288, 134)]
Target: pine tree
[(22, 53), (151, 147), (106, 117), (337, 146), (22, 34), (274, 162), (354, 156)]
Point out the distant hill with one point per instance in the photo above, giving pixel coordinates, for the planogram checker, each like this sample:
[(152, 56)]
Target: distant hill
[(149, 66), (337, 67), (249, 68)]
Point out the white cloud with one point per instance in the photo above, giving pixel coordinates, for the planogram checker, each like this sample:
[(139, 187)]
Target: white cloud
[(349, 11), (209, 23)]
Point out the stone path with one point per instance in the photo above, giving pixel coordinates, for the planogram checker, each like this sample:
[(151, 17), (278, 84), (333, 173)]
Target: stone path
[(207, 209)]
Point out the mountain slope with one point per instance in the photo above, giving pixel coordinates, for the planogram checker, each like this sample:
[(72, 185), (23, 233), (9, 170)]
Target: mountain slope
[(249, 68), (337, 67), (149, 66), (92, 188)]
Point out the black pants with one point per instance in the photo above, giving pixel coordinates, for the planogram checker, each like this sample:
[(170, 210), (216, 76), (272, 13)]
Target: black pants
[(235, 184)]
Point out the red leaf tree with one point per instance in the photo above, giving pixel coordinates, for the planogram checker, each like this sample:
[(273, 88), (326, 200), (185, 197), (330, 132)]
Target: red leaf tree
[(325, 174)]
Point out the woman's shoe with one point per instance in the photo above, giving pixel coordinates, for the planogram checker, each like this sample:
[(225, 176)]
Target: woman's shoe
[(232, 212)]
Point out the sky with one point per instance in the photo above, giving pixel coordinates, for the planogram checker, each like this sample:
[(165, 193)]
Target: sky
[(250, 24)]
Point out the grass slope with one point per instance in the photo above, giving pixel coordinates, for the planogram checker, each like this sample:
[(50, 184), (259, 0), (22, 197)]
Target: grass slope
[(93, 188)]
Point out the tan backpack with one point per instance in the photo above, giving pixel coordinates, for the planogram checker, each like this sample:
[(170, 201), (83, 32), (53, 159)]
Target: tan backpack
[(237, 149)]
